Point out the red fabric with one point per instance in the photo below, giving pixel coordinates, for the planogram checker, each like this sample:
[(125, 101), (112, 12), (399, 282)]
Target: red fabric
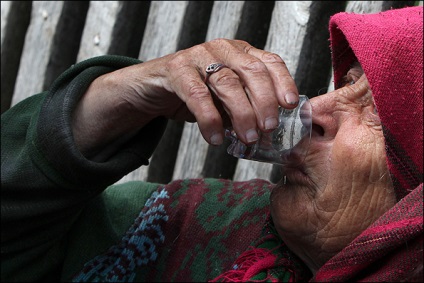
[(249, 264), (389, 46), (269, 260), (389, 250)]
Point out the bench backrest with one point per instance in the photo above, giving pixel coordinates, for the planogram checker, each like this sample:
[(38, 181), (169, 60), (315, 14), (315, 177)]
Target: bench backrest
[(40, 39)]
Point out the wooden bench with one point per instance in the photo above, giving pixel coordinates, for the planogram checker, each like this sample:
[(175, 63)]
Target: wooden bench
[(40, 39)]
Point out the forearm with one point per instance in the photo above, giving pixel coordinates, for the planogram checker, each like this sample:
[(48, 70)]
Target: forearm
[(45, 180), (117, 105), (104, 119)]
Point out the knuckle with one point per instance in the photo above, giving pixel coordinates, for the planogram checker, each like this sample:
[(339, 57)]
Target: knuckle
[(227, 79), (176, 62), (199, 100), (198, 92), (247, 47), (272, 58), (216, 43), (242, 42), (198, 49), (220, 41), (253, 66)]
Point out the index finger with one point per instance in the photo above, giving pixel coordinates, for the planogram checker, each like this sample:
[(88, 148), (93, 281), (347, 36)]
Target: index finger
[(285, 87)]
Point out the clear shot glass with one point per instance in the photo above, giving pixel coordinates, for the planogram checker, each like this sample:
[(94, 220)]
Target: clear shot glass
[(286, 145)]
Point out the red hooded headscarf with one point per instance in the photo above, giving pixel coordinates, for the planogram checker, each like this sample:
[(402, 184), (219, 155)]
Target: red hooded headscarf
[(389, 47)]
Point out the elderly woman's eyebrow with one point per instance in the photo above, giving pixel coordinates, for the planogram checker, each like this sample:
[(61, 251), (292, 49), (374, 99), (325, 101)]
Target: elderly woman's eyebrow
[(356, 70), (354, 73)]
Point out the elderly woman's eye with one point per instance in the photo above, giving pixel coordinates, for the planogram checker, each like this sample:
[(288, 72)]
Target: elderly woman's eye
[(353, 75), (374, 111), (348, 80)]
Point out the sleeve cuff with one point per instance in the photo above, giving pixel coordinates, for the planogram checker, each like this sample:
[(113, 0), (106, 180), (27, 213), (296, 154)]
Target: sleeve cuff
[(53, 145)]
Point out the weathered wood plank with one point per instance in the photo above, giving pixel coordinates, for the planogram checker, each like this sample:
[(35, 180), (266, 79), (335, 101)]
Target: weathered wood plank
[(369, 7), (114, 27), (299, 34), (66, 39), (15, 18), (285, 37), (5, 12), (253, 28), (50, 33), (224, 22), (193, 31), (37, 48), (313, 70), (164, 24), (163, 28), (97, 35), (51, 45)]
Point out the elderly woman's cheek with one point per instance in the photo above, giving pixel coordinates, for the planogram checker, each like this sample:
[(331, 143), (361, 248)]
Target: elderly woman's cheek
[(350, 153), (364, 166)]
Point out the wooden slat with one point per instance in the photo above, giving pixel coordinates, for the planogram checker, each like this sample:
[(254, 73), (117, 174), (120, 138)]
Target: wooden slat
[(285, 37), (97, 36), (193, 31), (193, 148), (369, 7), (56, 34), (51, 45), (66, 40), (5, 12), (114, 27), (15, 18), (163, 27), (37, 49), (364, 6), (299, 34), (253, 27)]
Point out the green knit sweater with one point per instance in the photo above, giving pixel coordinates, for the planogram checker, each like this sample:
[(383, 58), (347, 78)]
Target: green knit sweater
[(63, 219)]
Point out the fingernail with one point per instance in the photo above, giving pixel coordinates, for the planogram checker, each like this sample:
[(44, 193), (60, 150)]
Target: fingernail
[(271, 123), (252, 135), (291, 98), (216, 139)]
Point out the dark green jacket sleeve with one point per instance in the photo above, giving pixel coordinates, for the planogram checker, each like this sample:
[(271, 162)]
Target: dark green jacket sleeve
[(45, 180)]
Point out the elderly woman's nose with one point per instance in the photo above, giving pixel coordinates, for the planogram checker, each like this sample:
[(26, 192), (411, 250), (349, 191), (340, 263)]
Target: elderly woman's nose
[(323, 119)]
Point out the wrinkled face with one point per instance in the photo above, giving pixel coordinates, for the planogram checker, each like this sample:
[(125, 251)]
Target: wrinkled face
[(343, 185)]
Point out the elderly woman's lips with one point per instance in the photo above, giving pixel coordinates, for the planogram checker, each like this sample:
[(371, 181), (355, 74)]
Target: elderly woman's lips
[(295, 175)]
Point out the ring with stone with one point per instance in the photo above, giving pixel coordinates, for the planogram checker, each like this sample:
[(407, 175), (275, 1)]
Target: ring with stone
[(213, 68)]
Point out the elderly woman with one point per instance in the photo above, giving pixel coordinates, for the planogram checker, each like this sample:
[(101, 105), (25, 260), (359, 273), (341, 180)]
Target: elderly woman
[(351, 211)]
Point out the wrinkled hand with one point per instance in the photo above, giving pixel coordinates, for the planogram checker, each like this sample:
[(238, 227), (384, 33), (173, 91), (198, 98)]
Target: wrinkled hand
[(245, 93)]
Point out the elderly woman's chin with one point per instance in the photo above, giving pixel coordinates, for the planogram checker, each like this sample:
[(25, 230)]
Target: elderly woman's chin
[(317, 218), (318, 212), (298, 219)]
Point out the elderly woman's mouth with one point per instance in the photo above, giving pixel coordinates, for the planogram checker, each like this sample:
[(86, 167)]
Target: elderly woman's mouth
[(295, 175)]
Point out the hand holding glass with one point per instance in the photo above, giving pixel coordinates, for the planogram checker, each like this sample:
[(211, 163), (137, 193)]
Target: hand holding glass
[(286, 145)]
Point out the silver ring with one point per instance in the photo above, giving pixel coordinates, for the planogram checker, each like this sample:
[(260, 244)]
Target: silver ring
[(213, 68)]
